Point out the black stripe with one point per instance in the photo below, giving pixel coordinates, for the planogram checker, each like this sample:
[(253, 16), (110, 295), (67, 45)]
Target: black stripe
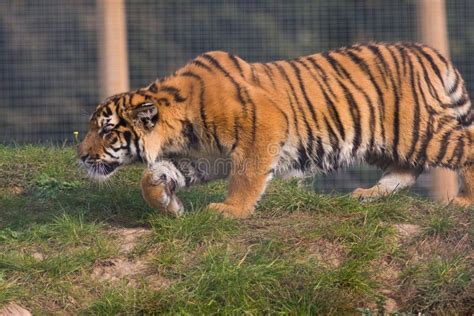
[(137, 146), (295, 117), (438, 54), (397, 68), (428, 134), (216, 63), (422, 153), (458, 152), (444, 146), (365, 69), (216, 138), (121, 122), (292, 107), (128, 137), (397, 92), (303, 159), (431, 61), (173, 91), (108, 111), (269, 73), (431, 88), (332, 62), (236, 134), (106, 150), (254, 75), (190, 134), (332, 108), (378, 54), (467, 119), (430, 110), (275, 105), (142, 92), (323, 75), (356, 117), (319, 153), (293, 93), (348, 76), (321, 71), (254, 118), (460, 102), (236, 63), (240, 92), (401, 49), (200, 64), (115, 149), (456, 83), (202, 110), (416, 114), (372, 109), (334, 144), (309, 104), (153, 88)]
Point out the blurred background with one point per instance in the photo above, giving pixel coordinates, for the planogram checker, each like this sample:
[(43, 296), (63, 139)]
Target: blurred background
[(58, 58)]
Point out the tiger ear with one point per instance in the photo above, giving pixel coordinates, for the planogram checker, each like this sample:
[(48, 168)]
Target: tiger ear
[(145, 115)]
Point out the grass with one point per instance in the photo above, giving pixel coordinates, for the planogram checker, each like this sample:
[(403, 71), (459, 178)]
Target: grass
[(63, 248)]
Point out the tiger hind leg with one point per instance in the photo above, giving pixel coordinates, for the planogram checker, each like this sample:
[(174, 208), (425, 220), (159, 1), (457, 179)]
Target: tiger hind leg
[(394, 178), (466, 194), (461, 158)]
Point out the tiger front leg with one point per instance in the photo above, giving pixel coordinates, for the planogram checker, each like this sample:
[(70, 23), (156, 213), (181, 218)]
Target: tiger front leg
[(244, 193), (159, 185), (247, 183), (259, 142)]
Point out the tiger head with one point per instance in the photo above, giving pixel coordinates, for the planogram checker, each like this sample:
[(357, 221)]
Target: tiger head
[(128, 127)]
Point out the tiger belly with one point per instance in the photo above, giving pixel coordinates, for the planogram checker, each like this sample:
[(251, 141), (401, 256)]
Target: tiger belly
[(295, 162)]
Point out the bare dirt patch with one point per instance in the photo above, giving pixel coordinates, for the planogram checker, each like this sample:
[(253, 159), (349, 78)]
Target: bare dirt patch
[(129, 237), (123, 269), (118, 268), (388, 274), (407, 231), (326, 252), (132, 272), (38, 255), (13, 309)]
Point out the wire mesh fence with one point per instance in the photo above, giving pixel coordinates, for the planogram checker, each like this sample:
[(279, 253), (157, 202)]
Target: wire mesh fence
[(49, 51)]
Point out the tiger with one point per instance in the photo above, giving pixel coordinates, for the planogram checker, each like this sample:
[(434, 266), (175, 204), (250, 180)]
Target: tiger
[(402, 107)]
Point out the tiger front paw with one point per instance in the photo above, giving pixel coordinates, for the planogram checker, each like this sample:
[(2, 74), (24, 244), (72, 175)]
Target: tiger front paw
[(463, 201), (367, 195), (159, 185)]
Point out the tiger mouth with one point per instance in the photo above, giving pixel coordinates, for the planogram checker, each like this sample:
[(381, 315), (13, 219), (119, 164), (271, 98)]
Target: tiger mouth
[(102, 170)]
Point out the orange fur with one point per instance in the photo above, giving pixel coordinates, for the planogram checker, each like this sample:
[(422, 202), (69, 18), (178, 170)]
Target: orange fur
[(403, 107), (159, 196)]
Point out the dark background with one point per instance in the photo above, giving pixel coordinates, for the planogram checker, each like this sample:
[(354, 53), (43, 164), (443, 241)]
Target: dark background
[(49, 50)]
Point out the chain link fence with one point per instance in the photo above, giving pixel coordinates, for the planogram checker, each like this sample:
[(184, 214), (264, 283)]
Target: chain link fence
[(49, 51)]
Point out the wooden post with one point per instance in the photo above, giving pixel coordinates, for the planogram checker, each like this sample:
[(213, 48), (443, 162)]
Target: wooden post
[(112, 46), (434, 32)]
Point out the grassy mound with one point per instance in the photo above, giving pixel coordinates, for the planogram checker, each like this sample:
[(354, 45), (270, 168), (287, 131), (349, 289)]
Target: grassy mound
[(69, 245)]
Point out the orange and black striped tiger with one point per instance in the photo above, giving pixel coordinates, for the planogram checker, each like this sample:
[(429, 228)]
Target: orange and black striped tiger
[(403, 107)]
